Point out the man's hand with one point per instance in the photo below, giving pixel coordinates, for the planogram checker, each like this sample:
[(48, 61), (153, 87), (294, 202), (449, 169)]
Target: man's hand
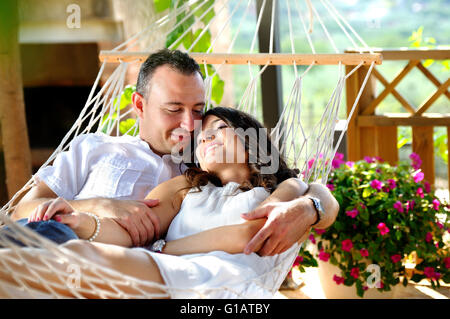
[(287, 223), (138, 219)]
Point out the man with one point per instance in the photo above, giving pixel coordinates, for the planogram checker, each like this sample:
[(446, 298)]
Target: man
[(108, 175)]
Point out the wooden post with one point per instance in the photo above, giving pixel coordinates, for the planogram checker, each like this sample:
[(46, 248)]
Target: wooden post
[(351, 92), (367, 135), (16, 146)]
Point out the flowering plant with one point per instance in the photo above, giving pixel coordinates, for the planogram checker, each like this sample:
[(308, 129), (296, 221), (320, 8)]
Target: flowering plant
[(387, 214)]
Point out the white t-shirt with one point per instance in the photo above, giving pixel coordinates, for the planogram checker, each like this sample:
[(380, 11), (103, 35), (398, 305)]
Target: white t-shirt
[(99, 165)]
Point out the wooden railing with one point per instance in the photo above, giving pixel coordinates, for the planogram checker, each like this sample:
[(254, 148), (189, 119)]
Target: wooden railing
[(376, 135)]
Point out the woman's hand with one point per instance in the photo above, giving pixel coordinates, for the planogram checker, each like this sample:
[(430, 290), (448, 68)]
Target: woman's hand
[(48, 209)]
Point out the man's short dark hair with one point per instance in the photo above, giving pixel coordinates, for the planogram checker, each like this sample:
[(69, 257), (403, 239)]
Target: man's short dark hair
[(177, 60)]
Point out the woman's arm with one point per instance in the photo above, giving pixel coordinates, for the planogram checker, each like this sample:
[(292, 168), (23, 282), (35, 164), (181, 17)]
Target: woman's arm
[(170, 195), (231, 239)]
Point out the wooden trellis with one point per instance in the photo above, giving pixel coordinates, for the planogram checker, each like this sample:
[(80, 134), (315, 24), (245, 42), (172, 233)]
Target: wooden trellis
[(376, 135)]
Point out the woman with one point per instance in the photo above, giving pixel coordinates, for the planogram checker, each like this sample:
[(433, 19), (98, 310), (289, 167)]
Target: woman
[(200, 213)]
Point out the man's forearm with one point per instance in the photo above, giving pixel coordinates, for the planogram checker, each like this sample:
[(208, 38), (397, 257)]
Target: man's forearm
[(329, 203)]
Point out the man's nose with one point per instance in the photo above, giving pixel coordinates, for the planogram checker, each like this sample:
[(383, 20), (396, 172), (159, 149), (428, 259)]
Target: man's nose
[(187, 122)]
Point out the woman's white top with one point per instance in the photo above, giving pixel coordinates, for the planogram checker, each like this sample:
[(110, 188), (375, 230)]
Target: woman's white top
[(219, 274)]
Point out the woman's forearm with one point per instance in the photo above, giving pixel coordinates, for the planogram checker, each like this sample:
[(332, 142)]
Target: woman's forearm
[(110, 231), (231, 239)]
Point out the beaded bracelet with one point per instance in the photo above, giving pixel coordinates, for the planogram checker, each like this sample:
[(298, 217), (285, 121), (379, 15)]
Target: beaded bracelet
[(97, 226)]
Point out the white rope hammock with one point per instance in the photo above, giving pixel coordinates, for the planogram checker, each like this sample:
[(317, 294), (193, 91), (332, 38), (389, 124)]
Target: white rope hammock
[(32, 264)]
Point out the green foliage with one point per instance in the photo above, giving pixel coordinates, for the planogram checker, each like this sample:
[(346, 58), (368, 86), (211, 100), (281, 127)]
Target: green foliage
[(120, 102), (417, 40), (387, 214), (198, 40)]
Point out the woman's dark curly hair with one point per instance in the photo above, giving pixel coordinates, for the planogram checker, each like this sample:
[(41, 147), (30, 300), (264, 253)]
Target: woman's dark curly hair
[(260, 158)]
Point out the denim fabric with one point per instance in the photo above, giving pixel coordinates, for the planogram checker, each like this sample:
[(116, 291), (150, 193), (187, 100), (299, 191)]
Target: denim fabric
[(50, 229)]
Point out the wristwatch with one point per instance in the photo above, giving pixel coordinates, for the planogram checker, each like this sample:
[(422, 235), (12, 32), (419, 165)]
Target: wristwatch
[(319, 209), (158, 246)]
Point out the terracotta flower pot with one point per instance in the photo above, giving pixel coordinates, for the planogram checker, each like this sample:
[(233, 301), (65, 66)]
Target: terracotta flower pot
[(334, 291)]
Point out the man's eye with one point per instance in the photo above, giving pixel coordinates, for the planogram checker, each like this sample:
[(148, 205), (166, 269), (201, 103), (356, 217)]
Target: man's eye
[(173, 111), (200, 112)]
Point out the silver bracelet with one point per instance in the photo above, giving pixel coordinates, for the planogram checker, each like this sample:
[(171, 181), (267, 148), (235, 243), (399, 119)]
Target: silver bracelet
[(97, 226)]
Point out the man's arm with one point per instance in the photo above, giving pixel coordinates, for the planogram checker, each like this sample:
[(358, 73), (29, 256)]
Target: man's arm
[(289, 218)]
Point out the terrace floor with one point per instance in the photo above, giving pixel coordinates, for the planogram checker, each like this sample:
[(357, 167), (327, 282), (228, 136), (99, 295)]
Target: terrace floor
[(310, 288)]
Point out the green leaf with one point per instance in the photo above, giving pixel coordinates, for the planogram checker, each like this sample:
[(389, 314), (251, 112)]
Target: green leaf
[(428, 62), (366, 192), (126, 125), (203, 43), (218, 87), (161, 5)]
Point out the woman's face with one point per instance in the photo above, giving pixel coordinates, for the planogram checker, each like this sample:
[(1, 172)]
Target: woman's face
[(218, 145)]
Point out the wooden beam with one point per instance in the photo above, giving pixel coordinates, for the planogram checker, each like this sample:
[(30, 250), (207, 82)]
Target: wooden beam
[(16, 146), (256, 58), (371, 108), (402, 119), (411, 54)]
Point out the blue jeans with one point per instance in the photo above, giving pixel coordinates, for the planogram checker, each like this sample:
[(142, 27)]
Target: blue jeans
[(50, 229)]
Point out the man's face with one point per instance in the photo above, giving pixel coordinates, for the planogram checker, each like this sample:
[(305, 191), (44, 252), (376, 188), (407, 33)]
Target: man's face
[(173, 105)]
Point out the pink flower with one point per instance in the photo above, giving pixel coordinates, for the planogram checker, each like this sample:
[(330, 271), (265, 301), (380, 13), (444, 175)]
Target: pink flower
[(312, 239), (447, 262), (337, 161), (428, 237), (396, 258), (350, 164), (323, 255), (383, 229), (354, 272), (365, 288), (369, 159), (352, 213), (331, 187), (391, 183), (427, 186), (398, 206), (338, 280), (298, 261), (440, 225), (410, 205), (319, 231), (347, 245), (429, 272), (416, 161), (420, 192), (418, 177), (364, 252), (436, 204), (310, 163), (376, 184)]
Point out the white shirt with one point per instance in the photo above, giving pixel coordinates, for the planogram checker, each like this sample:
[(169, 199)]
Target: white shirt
[(99, 165)]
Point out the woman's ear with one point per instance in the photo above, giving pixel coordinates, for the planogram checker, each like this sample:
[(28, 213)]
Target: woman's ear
[(138, 103)]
